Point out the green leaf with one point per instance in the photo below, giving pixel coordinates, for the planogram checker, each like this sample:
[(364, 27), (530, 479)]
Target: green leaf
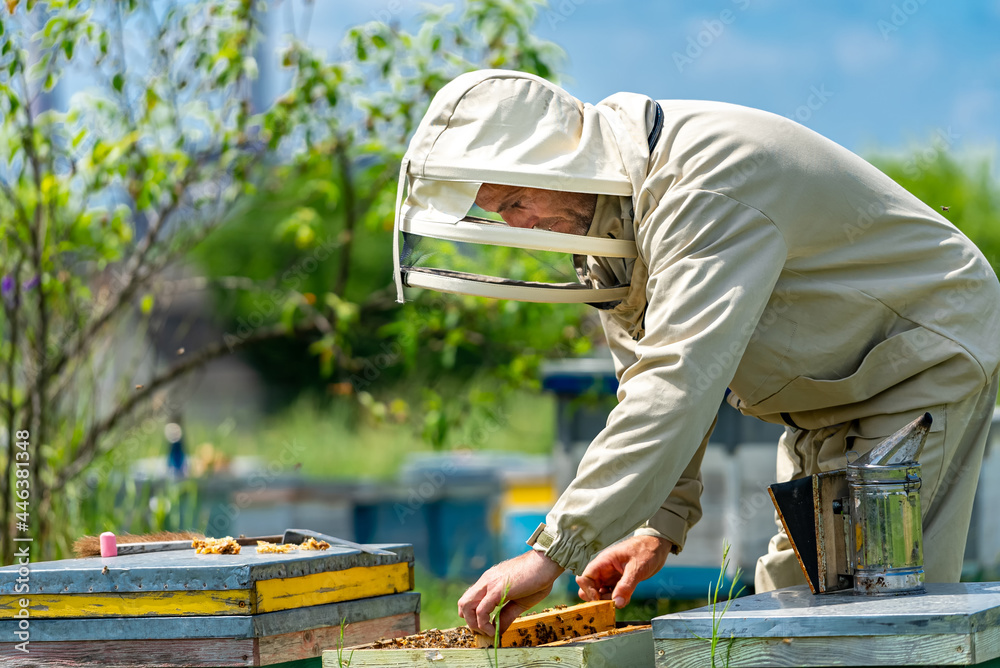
[(304, 218), (118, 82), (152, 99), (35, 71), (51, 24), (304, 237), (250, 67), (288, 311), (146, 306)]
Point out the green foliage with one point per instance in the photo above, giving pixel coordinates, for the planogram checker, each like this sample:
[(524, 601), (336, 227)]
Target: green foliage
[(122, 504), (332, 439), (966, 193), (101, 198), (97, 201), (319, 229), (437, 599)]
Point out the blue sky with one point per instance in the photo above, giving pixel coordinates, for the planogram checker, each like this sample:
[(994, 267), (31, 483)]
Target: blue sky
[(866, 74)]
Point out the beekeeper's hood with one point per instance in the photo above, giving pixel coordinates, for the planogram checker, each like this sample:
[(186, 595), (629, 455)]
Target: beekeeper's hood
[(511, 128)]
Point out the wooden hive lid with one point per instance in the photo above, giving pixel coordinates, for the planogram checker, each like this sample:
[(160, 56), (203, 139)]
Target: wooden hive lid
[(183, 570)]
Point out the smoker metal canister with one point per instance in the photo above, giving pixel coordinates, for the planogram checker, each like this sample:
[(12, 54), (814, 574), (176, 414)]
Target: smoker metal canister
[(887, 542)]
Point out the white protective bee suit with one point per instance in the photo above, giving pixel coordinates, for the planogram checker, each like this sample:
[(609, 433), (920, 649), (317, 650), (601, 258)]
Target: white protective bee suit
[(773, 267)]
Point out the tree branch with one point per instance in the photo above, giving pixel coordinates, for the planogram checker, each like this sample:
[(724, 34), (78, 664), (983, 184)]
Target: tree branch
[(21, 211), (202, 282), (136, 279), (7, 553), (37, 232), (350, 219), (88, 449), (129, 287)]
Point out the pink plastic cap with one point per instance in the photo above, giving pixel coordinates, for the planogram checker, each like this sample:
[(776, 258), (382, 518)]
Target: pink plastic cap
[(109, 546)]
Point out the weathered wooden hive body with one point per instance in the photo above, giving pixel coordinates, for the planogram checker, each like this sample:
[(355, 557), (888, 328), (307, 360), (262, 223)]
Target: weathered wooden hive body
[(179, 608), (949, 625)]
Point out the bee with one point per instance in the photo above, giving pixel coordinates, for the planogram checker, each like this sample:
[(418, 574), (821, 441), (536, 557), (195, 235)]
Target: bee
[(945, 208)]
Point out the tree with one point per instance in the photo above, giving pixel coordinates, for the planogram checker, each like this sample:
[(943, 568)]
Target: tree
[(96, 201), (321, 226), (99, 200)]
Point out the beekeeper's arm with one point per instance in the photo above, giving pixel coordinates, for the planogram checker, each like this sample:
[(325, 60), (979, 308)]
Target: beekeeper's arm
[(713, 263), (615, 572), (682, 508)]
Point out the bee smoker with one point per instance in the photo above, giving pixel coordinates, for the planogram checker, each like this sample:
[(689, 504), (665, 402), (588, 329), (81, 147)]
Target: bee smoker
[(859, 527)]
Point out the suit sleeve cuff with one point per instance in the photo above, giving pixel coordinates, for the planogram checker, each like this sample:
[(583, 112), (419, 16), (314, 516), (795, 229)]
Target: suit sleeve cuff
[(572, 555), (668, 525)]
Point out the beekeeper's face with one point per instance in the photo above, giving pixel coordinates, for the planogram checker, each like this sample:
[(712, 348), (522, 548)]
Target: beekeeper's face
[(535, 208)]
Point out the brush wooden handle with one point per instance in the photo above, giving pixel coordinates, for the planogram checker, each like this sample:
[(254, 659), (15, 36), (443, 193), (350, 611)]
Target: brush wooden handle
[(154, 546)]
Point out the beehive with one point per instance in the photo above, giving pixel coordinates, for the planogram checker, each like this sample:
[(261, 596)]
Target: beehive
[(950, 625), (179, 608)]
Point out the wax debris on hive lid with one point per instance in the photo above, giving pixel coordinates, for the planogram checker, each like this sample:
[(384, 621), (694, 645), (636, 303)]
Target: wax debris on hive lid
[(227, 545), (313, 544), (263, 547)]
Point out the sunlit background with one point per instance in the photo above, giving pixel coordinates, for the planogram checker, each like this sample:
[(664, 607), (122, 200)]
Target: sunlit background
[(449, 422), (866, 74)]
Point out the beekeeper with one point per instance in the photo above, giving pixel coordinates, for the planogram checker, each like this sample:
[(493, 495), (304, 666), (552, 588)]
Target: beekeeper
[(732, 253)]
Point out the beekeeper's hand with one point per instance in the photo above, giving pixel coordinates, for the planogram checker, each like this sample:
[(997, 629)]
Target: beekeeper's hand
[(526, 580), (616, 570)]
